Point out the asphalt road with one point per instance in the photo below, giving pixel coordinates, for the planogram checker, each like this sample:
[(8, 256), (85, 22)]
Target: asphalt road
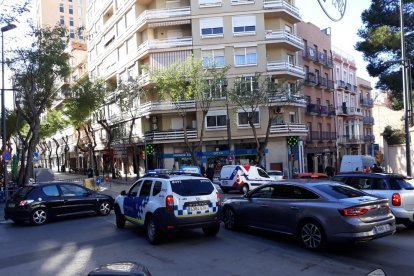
[(77, 246)]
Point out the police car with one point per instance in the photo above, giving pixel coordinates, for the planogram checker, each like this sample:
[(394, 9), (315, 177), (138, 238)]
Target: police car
[(167, 201)]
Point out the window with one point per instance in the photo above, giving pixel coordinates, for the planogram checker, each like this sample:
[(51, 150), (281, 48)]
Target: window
[(192, 187), (216, 88), (290, 59), (292, 192), (209, 3), (216, 119), (61, 8), (211, 27), (245, 56), (157, 188), (340, 192), (244, 25), (72, 33), (263, 192), (247, 84), (62, 20), (71, 21), (50, 190), (146, 188), (79, 2), (289, 29), (213, 58), (70, 1), (134, 189), (72, 190), (79, 11), (243, 118), (70, 9)]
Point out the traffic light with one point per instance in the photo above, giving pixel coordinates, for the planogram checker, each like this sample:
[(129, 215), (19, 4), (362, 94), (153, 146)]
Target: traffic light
[(149, 149), (142, 154), (292, 141)]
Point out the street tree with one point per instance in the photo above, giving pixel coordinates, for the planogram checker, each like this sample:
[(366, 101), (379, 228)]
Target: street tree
[(37, 70), (11, 11), (190, 81), (381, 44), (251, 94), (86, 97)]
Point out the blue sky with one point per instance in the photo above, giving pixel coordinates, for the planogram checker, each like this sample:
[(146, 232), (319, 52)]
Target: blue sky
[(344, 32)]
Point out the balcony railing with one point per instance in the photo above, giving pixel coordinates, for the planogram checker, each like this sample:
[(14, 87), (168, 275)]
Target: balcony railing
[(164, 44), (242, 2), (162, 14), (281, 5), (369, 139), (350, 139), (320, 136), (368, 120), (284, 66), (331, 85), (285, 97), (320, 109), (144, 79), (367, 102), (288, 128), (310, 79), (323, 82), (170, 135), (150, 106), (282, 35)]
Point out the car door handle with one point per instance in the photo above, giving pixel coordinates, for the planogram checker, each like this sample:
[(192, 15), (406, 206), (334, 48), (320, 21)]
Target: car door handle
[(294, 208)]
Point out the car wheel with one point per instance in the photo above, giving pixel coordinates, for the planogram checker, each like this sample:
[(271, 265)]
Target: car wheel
[(119, 218), (104, 208), (229, 219), (211, 231), (312, 235), (245, 188), (409, 225), (38, 217), (153, 234)]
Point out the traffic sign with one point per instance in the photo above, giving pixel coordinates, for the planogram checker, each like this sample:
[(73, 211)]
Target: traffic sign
[(6, 155), (35, 157)]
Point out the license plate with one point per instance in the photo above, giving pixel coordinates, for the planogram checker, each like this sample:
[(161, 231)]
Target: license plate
[(11, 205), (382, 228), (196, 208)]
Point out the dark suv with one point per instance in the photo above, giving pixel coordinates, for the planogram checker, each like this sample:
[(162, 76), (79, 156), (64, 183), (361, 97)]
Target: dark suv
[(394, 187)]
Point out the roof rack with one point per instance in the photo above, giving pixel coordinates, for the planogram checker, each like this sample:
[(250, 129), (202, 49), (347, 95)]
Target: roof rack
[(165, 173)]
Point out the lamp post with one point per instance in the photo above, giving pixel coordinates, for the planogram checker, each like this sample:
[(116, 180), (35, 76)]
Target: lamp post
[(228, 125), (406, 97), (3, 111)]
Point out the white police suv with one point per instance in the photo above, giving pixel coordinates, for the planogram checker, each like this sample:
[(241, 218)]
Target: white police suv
[(167, 201)]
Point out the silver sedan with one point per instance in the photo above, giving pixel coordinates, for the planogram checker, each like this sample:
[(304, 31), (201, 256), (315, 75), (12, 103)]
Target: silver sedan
[(316, 211)]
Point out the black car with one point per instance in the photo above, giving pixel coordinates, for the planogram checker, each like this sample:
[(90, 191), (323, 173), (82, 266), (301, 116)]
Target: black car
[(38, 203)]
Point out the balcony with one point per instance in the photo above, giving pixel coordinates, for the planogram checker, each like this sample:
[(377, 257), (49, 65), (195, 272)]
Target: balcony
[(320, 136), (166, 43), (322, 110), (368, 120), (322, 82), (288, 98), (310, 53), (369, 139), (170, 135), (285, 69), (331, 85), (286, 10), (310, 79), (288, 129), (350, 139), (160, 15), (150, 107), (355, 111), (325, 60), (144, 79), (367, 102), (294, 42)]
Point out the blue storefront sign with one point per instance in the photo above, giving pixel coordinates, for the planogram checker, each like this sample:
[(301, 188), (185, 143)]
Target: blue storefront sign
[(212, 153)]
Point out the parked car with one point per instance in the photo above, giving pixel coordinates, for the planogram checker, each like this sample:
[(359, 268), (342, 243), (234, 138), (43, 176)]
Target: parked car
[(276, 175), (38, 203), (163, 202), (242, 178), (311, 176), (394, 187), (315, 211)]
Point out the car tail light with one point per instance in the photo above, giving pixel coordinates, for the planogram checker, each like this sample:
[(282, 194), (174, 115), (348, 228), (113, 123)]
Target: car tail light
[(354, 211), (25, 202), (169, 203), (396, 199), (218, 199)]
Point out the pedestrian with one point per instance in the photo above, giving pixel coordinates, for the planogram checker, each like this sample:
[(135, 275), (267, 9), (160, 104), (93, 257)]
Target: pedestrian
[(210, 172), (330, 171), (357, 169), (90, 173)]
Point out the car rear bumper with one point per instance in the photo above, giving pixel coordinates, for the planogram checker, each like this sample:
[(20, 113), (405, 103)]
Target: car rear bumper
[(167, 221), (18, 214), (402, 215)]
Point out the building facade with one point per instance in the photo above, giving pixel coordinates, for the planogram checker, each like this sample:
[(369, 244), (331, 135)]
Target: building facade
[(318, 88)]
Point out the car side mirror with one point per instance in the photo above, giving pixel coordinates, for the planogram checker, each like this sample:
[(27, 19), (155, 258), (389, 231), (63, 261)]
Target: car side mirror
[(123, 193)]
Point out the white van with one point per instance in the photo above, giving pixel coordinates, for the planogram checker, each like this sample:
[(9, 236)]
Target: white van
[(244, 178), (352, 163)]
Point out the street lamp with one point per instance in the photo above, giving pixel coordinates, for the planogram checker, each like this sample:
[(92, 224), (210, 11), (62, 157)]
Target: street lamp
[(3, 111)]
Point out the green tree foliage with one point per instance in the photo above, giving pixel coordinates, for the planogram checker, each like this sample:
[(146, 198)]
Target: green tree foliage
[(10, 11), (393, 136), (54, 122), (381, 42), (37, 70)]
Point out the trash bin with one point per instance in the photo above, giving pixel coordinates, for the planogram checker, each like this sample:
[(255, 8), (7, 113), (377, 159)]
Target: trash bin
[(90, 184)]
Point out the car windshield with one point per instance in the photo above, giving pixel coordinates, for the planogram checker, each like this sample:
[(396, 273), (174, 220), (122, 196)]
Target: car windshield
[(23, 192), (192, 187), (399, 184), (339, 191)]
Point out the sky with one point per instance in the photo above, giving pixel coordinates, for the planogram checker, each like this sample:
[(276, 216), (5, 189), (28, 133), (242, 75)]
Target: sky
[(344, 32)]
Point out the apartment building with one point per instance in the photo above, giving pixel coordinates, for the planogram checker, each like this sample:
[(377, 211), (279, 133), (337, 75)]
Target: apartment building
[(353, 106), (318, 88), (125, 37)]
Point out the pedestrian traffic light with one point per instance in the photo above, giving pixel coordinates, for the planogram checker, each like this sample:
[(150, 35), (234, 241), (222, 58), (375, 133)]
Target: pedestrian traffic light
[(149, 149)]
